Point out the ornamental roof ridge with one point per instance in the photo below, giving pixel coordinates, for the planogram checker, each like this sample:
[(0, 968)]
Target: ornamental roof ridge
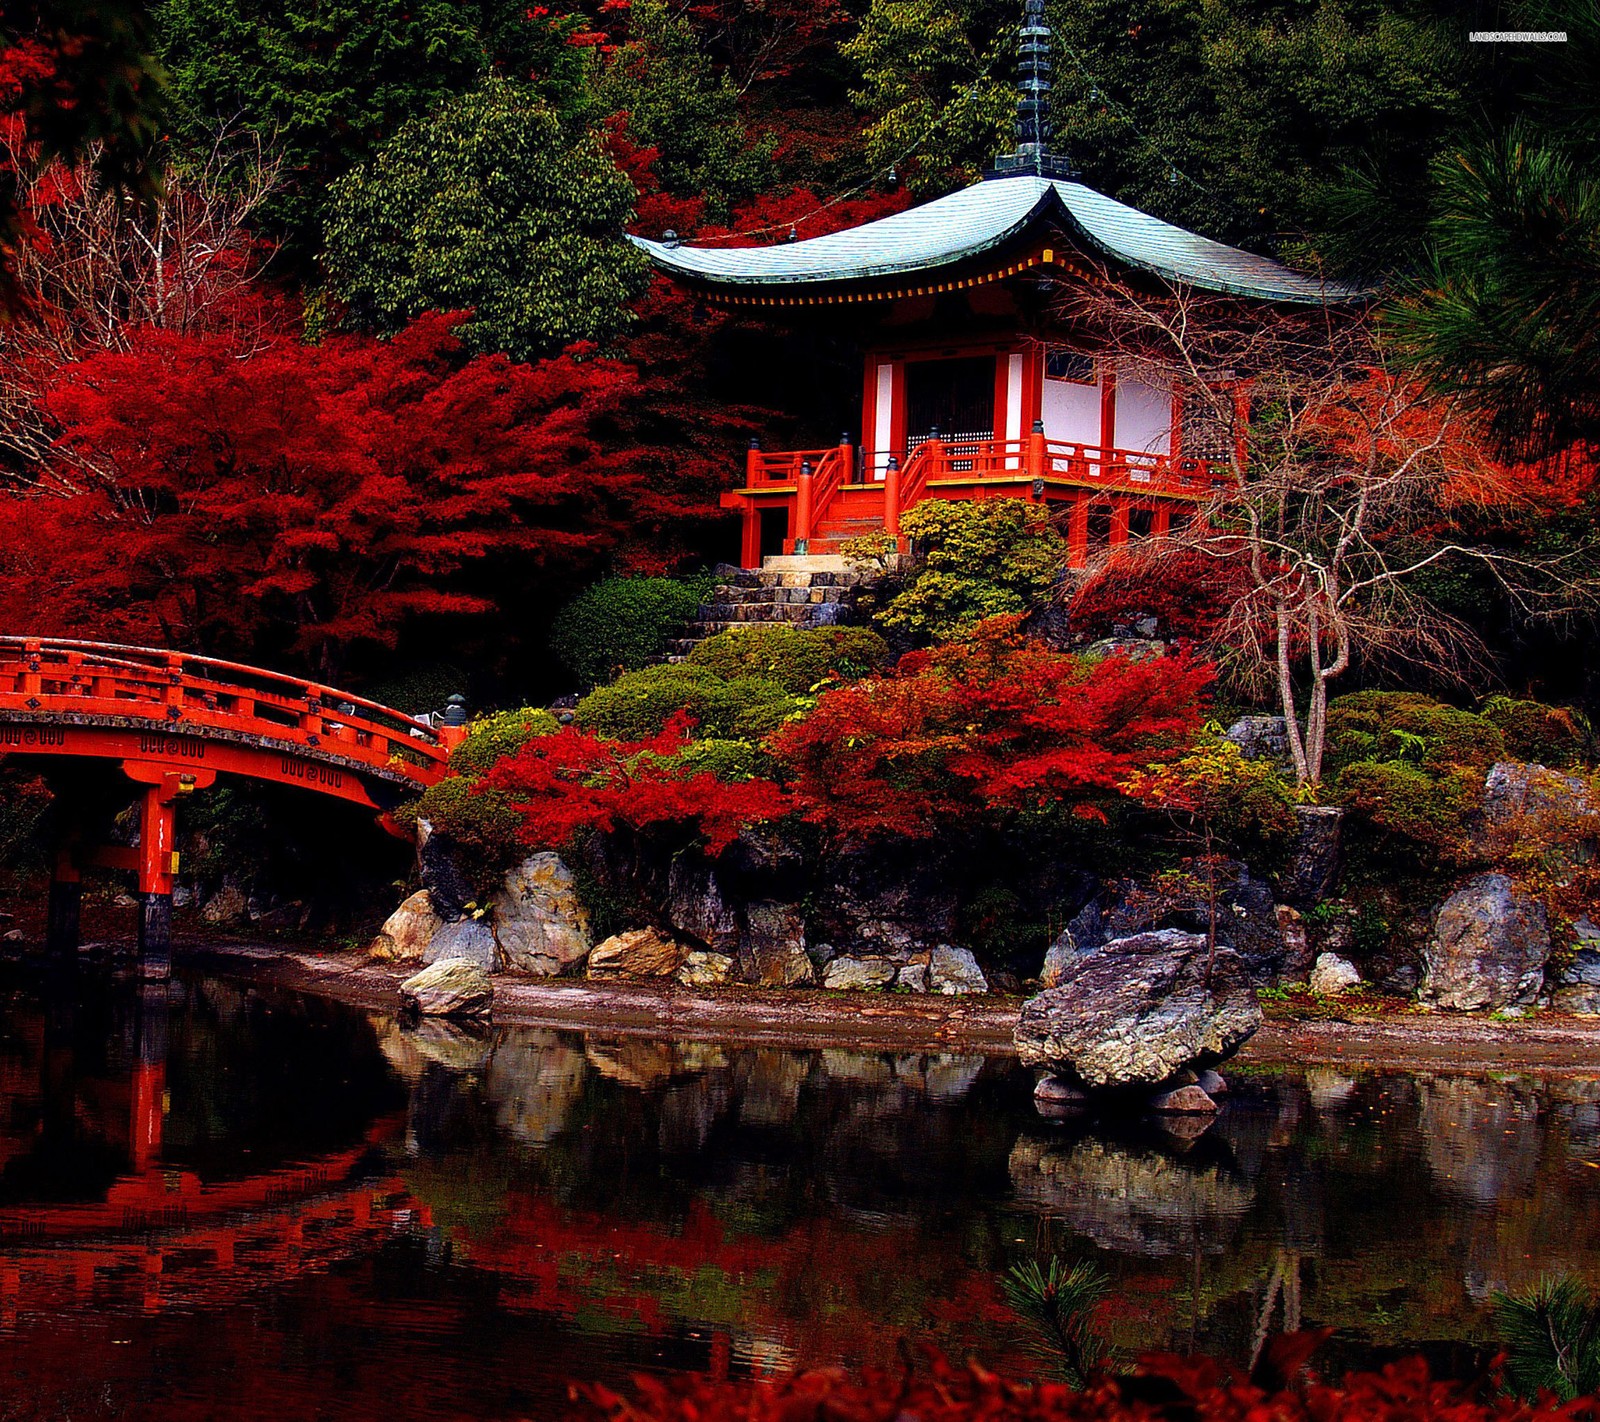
[(989, 214)]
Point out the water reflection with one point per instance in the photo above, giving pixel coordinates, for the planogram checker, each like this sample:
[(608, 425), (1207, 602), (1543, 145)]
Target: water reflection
[(221, 1201)]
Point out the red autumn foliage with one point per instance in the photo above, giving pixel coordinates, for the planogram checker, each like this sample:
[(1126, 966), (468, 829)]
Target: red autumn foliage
[(995, 723), (1188, 593), (574, 780), (1164, 1389), (306, 501)]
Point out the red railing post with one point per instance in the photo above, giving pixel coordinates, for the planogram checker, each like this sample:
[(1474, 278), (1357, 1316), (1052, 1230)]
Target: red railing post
[(752, 463), (891, 499), (802, 508), (1038, 458)]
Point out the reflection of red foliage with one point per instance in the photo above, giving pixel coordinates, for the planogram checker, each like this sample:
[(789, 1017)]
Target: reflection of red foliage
[(997, 722), (1164, 1388)]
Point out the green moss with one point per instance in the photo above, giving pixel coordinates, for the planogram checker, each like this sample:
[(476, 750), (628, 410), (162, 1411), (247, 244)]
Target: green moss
[(1407, 727), (480, 821), (1547, 735), (639, 704)]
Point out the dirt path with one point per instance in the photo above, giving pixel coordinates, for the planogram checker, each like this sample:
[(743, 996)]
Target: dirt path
[(1544, 1044)]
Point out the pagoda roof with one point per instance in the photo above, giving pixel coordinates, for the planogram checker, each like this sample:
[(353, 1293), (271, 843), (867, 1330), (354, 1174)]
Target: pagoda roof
[(988, 215)]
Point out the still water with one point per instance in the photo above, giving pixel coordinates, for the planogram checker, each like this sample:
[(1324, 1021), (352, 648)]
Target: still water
[(220, 1201)]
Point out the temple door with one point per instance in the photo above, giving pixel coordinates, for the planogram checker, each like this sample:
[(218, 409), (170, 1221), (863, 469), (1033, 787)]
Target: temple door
[(955, 397)]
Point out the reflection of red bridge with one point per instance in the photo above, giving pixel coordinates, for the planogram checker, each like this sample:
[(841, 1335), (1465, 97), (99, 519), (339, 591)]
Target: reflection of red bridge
[(174, 723), (171, 1238)]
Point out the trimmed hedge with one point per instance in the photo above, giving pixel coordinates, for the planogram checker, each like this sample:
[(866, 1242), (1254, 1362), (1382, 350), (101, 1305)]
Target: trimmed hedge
[(619, 624)]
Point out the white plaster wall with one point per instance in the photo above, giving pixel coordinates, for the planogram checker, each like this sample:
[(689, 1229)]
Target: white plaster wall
[(1144, 417), (1071, 411)]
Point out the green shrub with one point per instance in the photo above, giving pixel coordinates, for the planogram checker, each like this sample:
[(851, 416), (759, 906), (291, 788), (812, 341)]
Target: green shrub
[(978, 558), (1410, 728), (1548, 735), (794, 657), (639, 704), (727, 760), (481, 822), (619, 624), (497, 736)]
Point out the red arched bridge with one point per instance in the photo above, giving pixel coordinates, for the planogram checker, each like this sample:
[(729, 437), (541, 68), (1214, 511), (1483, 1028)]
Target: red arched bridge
[(174, 722)]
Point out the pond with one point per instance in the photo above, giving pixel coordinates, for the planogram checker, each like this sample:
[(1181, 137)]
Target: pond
[(223, 1201)]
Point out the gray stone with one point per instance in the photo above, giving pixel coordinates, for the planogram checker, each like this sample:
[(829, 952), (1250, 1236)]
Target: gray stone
[(1314, 858), (697, 909), (1488, 949), (1183, 1101), (858, 974), (1513, 791), (701, 969), (1082, 933), (538, 919), (1138, 1011), (1333, 975), (467, 938), (1057, 1092), (1577, 987), (408, 931), (1261, 738), (451, 987), (639, 953), (228, 905), (1211, 1082), (913, 977), (1297, 956), (772, 948), (437, 865), (955, 972)]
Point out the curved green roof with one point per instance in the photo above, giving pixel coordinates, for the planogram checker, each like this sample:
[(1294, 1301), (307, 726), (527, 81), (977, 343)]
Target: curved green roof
[(990, 214)]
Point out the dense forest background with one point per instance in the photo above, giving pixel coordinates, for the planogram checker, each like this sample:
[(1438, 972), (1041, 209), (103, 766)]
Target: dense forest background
[(375, 388)]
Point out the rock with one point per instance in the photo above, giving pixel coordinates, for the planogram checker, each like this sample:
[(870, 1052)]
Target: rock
[(1333, 975), (772, 948), (451, 987), (1314, 859), (1261, 738), (913, 977), (705, 969), (1577, 987), (955, 972), (1055, 1091), (539, 922), (1211, 1082), (1488, 949), (1402, 982), (1246, 916), (467, 938), (1297, 956), (858, 974), (1514, 792), (696, 907), (1183, 1101), (406, 933), (1138, 1010), (639, 953), (1083, 932), (227, 905), (887, 902), (441, 875)]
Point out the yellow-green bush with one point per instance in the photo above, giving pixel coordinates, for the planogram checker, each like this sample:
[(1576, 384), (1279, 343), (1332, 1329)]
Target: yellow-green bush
[(1408, 727), (796, 658), (498, 735), (480, 822), (639, 704)]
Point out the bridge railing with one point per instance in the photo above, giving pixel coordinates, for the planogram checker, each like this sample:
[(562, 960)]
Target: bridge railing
[(181, 693)]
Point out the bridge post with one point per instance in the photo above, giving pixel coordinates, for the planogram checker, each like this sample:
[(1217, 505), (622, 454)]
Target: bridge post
[(156, 834), (63, 914)]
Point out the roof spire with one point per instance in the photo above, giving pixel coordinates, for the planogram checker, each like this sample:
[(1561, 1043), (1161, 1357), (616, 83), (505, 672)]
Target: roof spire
[(1033, 153)]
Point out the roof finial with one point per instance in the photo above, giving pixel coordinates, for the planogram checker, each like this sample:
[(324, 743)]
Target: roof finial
[(1033, 153)]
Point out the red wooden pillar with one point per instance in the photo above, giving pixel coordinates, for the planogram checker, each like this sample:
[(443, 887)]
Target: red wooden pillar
[(891, 498), (1038, 457), (149, 1091), (1078, 534), (803, 507), (63, 914), (158, 858)]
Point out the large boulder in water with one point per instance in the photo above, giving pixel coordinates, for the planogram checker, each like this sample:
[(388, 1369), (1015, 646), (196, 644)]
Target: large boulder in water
[(1489, 947), (1139, 1010)]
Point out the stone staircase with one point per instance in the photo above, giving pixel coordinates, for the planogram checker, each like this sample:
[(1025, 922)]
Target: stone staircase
[(812, 591)]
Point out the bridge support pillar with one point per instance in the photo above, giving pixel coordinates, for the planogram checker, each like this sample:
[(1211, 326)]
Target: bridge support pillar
[(158, 859), (62, 916)]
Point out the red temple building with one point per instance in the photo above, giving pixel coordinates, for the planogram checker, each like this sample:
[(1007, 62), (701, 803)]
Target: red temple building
[(970, 386)]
